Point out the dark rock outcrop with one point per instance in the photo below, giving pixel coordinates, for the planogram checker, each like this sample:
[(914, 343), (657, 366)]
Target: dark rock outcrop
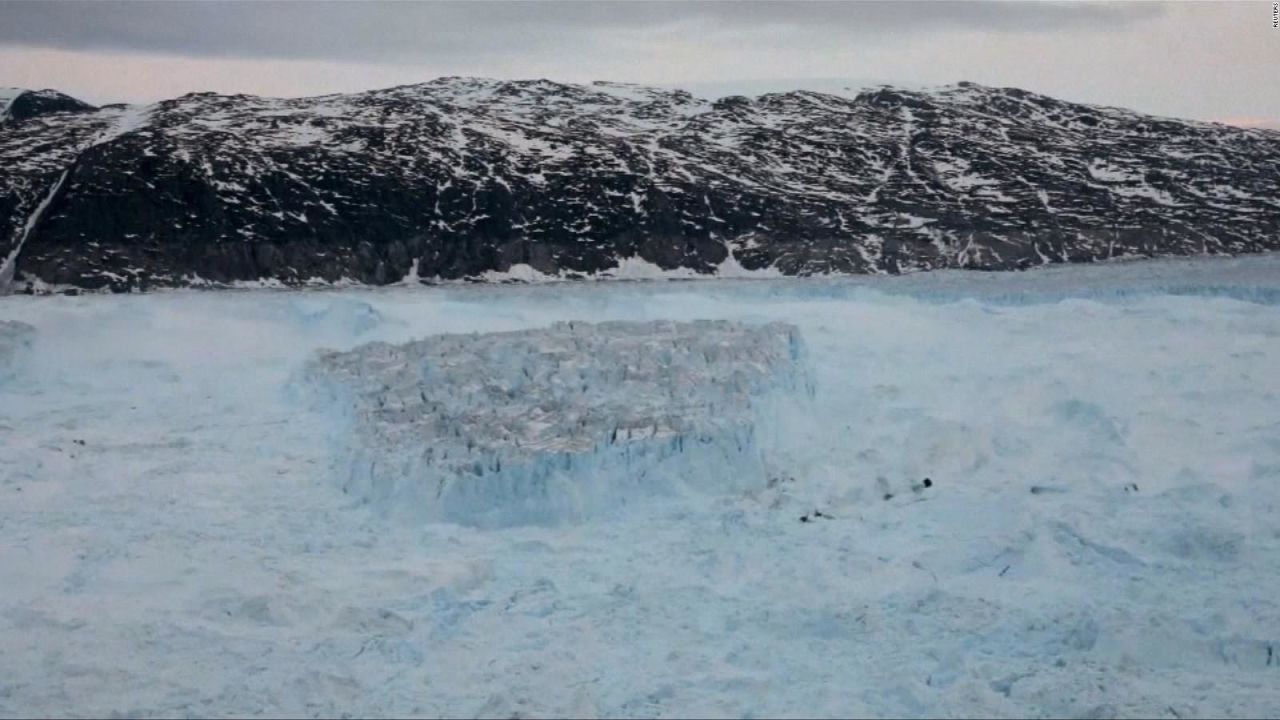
[(27, 104), (465, 178)]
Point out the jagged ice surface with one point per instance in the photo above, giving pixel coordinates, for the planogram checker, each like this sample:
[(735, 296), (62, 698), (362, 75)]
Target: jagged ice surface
[(1100, 538), (560, 423)]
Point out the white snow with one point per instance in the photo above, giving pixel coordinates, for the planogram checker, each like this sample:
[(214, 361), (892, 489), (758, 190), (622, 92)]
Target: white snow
[(637, 268), (1101, 170), (632, 268), (956, 175), (128, 118), (1100, 538), (519, 272)]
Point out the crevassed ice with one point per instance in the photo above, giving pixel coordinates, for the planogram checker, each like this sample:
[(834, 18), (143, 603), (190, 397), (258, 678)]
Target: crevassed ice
[(15, 341), (561, 423)]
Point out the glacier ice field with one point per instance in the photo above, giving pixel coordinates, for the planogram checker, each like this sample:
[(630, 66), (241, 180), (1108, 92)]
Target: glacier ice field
[(183, 530), (572, 422)]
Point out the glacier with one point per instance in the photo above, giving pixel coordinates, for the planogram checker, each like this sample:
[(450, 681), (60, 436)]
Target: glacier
[(561, 423), (15, 343), (1099, 536)]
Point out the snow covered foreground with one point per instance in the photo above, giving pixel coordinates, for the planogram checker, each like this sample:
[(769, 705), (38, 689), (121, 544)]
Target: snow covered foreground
[(1101, 535)]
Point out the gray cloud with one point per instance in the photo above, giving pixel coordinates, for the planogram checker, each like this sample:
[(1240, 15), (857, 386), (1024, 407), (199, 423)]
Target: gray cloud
[(1208, 60), (376, 31)]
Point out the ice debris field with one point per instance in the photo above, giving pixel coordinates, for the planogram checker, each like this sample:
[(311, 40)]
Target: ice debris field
[(649, 499)]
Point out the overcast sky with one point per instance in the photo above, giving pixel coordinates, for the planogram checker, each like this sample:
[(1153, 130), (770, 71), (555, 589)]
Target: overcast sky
[(1206, 60)]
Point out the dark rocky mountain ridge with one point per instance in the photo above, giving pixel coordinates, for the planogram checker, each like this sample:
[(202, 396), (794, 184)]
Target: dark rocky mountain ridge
[(465, 178)]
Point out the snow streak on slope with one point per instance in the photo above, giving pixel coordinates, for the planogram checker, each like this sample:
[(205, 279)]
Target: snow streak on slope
[(7, 96), (1099, 537), (558, 424), (9, 264)]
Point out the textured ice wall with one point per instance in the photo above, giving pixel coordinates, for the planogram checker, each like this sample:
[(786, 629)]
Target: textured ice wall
[(561, 423)]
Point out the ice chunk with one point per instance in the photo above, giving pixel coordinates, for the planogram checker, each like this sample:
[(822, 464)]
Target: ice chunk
[(562, 423), (335, 314)]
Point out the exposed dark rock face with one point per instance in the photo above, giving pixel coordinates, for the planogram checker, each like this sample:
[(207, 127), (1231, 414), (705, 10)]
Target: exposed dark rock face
[(465, 178), (17, 105)]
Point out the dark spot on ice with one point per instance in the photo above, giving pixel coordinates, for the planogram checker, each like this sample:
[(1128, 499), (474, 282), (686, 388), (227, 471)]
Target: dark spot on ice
[(928, 483), (888, 496), (804, 518)]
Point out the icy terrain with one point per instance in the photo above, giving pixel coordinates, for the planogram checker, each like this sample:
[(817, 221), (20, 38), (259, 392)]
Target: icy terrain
[(1100, 536), (563, 423), (15, 342)]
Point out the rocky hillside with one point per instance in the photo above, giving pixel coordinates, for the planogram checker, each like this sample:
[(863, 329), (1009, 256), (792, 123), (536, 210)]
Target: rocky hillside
[(472, 178)]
